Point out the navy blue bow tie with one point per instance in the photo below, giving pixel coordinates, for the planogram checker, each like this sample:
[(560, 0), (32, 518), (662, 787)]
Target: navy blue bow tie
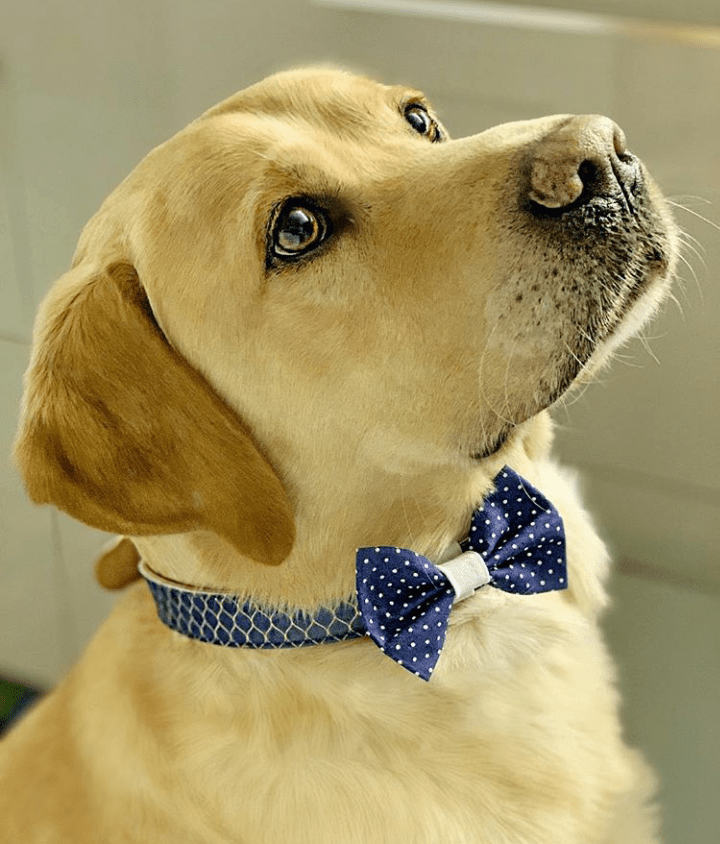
[(516, 543)]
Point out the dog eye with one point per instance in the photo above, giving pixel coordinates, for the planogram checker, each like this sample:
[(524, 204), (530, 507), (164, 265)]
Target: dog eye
[(298, 229), (418, 117)]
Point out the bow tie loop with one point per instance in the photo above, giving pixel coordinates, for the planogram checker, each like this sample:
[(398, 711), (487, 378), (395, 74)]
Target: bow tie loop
[(467, 572), (516, 543)]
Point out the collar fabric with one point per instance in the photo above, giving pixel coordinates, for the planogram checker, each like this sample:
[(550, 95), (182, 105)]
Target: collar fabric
[(222, 619)]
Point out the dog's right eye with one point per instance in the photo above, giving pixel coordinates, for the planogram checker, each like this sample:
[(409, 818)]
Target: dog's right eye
[(420, 120), (298, 229)]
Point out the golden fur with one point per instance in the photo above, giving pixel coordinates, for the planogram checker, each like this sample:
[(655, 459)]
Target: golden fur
[(249, 422)]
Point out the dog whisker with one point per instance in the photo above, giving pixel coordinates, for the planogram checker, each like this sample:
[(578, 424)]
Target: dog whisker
[(531, 499), (678, 198), (694, 214), (506, 376), (481, 380), (653, 337), (646, 346), (687, 239), (573, 355), (687, 263), (583, 333), (616, 354), (259, 154), (672, 298), (574, 395), (689, 247), (690, 267)]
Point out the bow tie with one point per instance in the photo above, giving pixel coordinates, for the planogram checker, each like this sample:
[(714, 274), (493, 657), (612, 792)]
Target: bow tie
[(516, 543)]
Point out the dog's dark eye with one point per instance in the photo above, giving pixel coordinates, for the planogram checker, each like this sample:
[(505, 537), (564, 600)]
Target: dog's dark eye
[(297, 230), (418, 117)]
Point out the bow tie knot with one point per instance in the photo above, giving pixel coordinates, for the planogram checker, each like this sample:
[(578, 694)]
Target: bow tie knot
[(466, 573), (516, 543)]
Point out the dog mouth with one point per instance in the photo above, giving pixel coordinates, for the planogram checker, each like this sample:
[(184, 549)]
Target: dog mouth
[(622, 251), (593, 273)]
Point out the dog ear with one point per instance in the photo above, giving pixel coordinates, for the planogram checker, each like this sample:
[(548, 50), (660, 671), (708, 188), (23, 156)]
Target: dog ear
[(116, 566), (120, 432)]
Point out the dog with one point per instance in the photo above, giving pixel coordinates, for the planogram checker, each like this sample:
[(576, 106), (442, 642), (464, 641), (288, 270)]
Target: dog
[(307, 324)]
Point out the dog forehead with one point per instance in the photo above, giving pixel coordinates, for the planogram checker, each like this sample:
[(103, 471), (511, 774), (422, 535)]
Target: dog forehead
[(316, 95), (291, 118), (316, 129), (307, 128), (296, 119)]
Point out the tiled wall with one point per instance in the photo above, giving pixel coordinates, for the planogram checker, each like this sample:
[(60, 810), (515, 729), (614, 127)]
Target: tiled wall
[(87, 88)]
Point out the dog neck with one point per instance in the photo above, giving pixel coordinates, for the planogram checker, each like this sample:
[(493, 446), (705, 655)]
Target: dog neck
[(425, 512)]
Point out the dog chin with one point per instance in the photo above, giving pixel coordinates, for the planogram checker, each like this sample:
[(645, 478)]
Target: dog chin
[(636, 317)]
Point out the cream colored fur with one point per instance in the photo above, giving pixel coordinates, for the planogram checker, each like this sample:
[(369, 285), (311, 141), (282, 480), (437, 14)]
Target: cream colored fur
[(250, 425)]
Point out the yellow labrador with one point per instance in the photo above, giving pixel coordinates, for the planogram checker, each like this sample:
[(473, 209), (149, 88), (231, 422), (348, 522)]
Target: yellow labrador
[(311, 322)]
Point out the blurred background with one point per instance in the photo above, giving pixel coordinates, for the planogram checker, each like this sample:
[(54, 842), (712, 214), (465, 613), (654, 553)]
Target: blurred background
[(87, 87)]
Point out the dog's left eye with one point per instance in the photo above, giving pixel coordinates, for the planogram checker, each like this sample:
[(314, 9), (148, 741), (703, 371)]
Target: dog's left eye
[(418, 117), (297, 230)]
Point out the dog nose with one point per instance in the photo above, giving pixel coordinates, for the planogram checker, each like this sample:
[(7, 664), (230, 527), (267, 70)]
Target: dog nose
[(584, 157)]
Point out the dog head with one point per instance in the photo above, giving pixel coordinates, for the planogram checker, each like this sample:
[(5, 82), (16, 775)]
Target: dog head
[(312, 301)]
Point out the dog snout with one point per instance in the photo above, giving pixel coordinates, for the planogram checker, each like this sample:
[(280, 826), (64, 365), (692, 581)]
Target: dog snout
[(584, 157)]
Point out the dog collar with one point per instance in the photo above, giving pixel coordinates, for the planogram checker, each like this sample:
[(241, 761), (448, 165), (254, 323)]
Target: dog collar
[(222, 619), (516, 544)]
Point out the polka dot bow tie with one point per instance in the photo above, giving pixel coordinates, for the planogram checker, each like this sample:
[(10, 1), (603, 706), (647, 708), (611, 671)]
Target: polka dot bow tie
[(516, 543)]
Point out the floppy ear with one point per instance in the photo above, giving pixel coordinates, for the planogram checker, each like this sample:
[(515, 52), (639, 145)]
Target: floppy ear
[(120, 432)]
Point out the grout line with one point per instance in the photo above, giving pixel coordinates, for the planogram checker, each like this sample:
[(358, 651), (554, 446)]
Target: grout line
[(539, 19), (15, 188)]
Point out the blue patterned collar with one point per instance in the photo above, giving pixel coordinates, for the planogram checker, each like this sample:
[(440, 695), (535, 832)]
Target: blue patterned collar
[(403, 600), (222, 619)]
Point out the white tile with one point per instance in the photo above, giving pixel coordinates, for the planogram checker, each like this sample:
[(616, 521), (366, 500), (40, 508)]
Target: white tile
[(667, 642), (16, 301), (673, 531), (14, 312), (84, 603), (33, 640), (91, 98), (568, 73), (218, 48)]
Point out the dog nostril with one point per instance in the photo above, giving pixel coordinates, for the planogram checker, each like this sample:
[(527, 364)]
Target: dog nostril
[(584, 157), (555, 184), (588, 173)]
